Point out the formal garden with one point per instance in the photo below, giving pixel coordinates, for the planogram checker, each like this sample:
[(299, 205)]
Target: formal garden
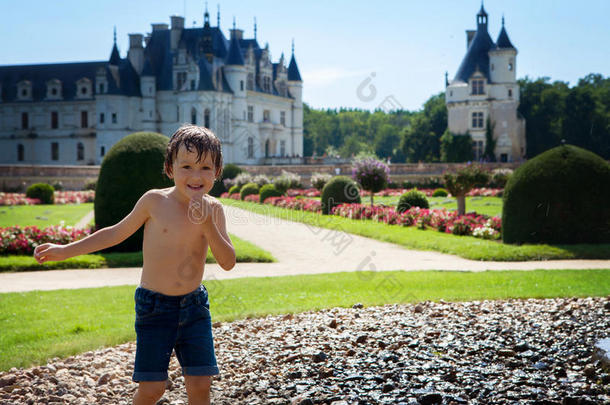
[(421, 337)]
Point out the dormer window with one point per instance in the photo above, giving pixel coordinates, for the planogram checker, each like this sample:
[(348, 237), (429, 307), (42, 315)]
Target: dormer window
[(83, 88), (24, 90), (54, 89), (478, 86)]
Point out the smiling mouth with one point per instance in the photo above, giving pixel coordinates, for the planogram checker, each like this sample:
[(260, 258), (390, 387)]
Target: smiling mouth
[(195, 188)]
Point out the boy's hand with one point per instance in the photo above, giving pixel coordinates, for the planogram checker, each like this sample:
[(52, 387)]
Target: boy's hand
[(205, 210), (49, 252)]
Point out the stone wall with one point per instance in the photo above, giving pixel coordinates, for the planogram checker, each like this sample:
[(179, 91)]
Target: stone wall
[(16, 178)]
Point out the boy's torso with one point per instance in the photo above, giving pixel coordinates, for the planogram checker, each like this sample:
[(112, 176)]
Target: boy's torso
[(174, 248)]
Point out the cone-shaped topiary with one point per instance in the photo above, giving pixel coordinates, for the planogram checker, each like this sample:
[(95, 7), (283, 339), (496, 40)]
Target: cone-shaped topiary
[(561, 196), (268, 190), (340, 189), (131, 167)]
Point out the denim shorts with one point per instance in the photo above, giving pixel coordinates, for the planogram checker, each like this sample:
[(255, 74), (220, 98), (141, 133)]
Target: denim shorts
[(165, 323)]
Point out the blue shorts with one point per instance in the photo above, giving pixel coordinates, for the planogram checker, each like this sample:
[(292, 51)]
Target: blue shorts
[(164, 323)]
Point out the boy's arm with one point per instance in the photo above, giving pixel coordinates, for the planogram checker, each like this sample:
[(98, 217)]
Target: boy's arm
[(101, 239), (216, 234)]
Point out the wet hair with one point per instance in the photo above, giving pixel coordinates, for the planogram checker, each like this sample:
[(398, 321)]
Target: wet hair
[(192, 137)]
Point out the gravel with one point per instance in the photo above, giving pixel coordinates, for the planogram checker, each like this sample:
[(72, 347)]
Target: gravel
[(532, 351)]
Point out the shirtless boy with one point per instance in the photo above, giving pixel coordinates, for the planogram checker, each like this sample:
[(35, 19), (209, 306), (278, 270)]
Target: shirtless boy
[(172, 307)]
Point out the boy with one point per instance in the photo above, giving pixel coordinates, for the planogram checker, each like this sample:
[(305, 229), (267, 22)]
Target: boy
[(172, 307)]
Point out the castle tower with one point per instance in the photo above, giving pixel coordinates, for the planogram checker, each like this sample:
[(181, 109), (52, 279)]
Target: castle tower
[(295, 88)]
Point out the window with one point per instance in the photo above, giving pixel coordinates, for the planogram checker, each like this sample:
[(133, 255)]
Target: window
[(102, 118), (83, 91), (510, 93), (20, 152), (24, 93), (282, 148), (266, 116), (150, 90), (25, 120), (54, 151), (477, 149), (114, 118), (54, 120), (101, 87), (510, 66), (283, 118), (84, 119), (250, 113), (54, 91), (80, 151), (206, 118), (102, 151), (181, 79), (192, 85), (193, 116), (241, 85), (478, 86), (250, 148), (250, 84), (477, 120), (503, 157)]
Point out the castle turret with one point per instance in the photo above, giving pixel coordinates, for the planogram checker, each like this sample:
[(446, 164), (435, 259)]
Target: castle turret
[(236, 73), (502, 59), (136, 52), (295, 88)]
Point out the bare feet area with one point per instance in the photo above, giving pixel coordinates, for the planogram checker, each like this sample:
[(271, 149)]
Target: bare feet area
[(533, 351)]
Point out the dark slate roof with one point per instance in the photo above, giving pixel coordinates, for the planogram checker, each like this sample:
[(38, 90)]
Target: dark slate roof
[(114, 56), (293, 70), (192, 40), (503, 40), (205, 77), (235, 56), (158, 56), (39, 75), (477, 56), (129, 81)]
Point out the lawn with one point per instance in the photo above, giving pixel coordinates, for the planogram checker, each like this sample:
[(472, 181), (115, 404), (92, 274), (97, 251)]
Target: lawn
[(40, 325), (410, 237), (43, 215), (244, 251)]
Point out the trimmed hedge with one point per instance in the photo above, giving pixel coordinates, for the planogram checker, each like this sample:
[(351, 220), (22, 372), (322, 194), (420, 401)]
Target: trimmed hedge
[(340, 189), (230, 171), (131, 167), (268, 190), (412, 198), (247, 189), (559, 197), (44, 192)]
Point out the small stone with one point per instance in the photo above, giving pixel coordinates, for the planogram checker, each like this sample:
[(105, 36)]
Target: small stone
[(589, 371), (357, 306), (388, 387), (431, 398), (506, 353), (361, 339), (326, 372), (418, 309), (333, 324), (521, 347), (319, 357), (104, 379)]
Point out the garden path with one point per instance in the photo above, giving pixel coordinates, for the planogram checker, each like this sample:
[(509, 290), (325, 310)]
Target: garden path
[(299, 249)]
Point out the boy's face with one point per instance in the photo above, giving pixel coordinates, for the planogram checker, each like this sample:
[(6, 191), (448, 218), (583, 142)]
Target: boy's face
[(192, 178)]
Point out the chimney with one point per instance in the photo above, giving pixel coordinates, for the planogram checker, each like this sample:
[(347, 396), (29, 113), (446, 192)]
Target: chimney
[(237, 33), (159, 27), (176, 31), (469, 36), (136, 52)]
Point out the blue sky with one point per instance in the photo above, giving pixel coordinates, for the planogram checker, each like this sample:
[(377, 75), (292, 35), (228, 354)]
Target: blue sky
[(402, 47)]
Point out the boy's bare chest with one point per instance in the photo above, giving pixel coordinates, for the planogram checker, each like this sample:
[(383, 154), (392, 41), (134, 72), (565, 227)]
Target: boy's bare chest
[(170, 225)]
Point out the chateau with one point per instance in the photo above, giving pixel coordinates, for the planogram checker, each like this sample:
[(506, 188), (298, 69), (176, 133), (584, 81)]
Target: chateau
[(73, 113), (485, 92)]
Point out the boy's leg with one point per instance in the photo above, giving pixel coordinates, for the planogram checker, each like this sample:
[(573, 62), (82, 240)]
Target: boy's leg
[(149, 392), (198, 389)]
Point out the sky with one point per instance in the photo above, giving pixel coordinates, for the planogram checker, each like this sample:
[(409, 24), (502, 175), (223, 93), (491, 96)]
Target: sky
[(354, 54)]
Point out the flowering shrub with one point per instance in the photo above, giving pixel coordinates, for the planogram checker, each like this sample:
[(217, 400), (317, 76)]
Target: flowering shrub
[(307, 192), (301, 204), (319, 180), (252, 198), (371, 174), (287, 180), (18, 240), (60, 197)]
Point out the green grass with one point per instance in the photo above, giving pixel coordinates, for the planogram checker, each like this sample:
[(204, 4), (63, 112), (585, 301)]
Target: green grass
[(40, 325), (244, 250), (410, 237), (43, 215)]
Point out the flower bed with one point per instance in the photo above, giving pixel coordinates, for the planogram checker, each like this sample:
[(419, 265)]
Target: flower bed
[(61, 197), (17, 240)]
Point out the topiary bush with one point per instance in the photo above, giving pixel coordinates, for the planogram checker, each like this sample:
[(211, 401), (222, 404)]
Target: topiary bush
[(287, 180), (268, 190), (440, 192), (560, 197), (319, 180), (412, 198), (247, 189), (131, 167), (340, 189), (230, 171), (42, 191), (234, 189)]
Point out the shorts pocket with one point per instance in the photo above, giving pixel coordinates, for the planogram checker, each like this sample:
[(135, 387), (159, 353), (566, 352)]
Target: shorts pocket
[(145, 308)]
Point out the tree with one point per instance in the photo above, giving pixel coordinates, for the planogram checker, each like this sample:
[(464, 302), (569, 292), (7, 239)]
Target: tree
[(490, 142), (456, 148), (464, 180), (371, 174)]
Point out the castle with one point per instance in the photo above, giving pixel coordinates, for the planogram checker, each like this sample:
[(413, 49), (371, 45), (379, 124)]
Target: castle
[(73, 113), (485, 92)]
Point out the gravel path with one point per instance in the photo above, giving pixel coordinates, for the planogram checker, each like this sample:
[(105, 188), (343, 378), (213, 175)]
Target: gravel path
[(299, 248), (534, 351)]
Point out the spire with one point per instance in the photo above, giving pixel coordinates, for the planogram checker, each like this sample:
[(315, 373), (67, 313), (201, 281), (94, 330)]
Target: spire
[(115, 58), (218, 16), (503, 41), (446, 78), (255, 28), (206, 16), (482, 18), (233, 22), (293, 70)]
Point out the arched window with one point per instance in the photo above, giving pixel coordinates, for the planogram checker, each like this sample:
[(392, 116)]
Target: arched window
[(193, 116), (20, 152), (250, 83), (80, 151), (250, 148), (206, 118)]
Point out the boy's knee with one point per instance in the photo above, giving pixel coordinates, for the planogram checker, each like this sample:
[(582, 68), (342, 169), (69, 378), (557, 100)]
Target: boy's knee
[(152, 390), (198, 385)]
